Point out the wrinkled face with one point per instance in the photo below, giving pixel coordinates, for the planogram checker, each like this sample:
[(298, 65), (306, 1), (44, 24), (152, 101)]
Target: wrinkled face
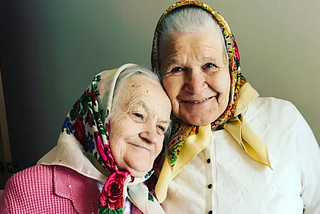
[(138, 124), (196, 75)]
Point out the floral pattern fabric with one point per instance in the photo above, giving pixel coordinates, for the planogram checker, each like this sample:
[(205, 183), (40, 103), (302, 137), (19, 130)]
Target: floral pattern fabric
[(88, 122)]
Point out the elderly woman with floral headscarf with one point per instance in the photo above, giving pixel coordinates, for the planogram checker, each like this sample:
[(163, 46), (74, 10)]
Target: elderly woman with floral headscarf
[(106, 150), (230, 150)]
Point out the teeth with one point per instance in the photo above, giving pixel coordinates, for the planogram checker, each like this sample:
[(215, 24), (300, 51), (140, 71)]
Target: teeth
[(197, 101)]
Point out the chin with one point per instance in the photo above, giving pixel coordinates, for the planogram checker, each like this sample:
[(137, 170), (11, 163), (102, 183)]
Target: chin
[(138, 173), (197, 120)]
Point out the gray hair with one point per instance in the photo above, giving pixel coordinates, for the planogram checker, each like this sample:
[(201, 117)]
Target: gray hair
[(188, 20), (124, 75), (129, 72)]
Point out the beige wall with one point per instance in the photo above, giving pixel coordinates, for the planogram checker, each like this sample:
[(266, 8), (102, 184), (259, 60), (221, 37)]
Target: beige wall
[(278, 41), (280, 49), (50, 50)]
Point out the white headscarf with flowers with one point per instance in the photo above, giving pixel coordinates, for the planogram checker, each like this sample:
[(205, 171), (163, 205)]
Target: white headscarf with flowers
[(85, 138)]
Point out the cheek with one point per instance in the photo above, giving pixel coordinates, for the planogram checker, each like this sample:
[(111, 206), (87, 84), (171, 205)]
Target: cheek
[(116, 146), (158, 148), (172, 85), (116, 136), (220, 83)]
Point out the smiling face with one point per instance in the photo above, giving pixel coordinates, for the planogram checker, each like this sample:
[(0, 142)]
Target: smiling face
[(195, 74), (138, 124)]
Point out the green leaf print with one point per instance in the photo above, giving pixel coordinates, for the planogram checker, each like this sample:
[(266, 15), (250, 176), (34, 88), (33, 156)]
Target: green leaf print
[(150, 197)]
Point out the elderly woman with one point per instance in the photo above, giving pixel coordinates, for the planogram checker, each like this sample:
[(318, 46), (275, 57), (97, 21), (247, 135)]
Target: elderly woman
[(106, 150), (230, 150)]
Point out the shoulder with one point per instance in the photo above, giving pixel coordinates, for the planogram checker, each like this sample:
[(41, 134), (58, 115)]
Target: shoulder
[(272, 109), (25, 187), (34, 174), (272, 104), (279, 122), (32, 180), (49, 188), (41, 180)]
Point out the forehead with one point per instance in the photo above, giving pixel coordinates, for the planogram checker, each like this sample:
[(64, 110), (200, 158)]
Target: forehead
[(145, 92), (208, 42), (142, 84)]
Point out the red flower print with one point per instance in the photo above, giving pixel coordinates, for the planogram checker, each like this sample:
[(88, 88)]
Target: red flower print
[(76, 105), (100, 146), (112, 193), (106, 127), (104, 152), (93, 95), (90, 119), (110, 161), (85, 94), (96, 116), (79, 130), (236, 49)]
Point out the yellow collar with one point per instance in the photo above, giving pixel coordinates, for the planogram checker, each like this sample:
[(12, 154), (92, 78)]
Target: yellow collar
[(195, 143)]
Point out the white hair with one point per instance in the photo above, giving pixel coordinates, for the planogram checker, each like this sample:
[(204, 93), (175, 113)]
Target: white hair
[(125, 74), (188, 20)]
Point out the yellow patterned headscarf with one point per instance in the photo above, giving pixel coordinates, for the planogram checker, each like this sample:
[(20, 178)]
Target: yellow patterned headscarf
[(188, 140)]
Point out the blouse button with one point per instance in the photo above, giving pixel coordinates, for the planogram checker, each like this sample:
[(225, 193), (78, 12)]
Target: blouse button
[(210, 212), (210, 186), (208, 160)]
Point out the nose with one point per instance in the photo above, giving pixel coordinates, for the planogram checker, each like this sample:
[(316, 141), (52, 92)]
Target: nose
[(150, 135), (195, 81)]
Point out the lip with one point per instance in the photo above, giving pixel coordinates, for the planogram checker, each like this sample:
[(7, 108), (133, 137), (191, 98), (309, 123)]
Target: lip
[(198, 101), (139, 146)]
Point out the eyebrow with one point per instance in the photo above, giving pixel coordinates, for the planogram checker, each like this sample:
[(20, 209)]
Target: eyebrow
[(169, 61), (149, 110), (210, 59), (165, 121), (215, 60)]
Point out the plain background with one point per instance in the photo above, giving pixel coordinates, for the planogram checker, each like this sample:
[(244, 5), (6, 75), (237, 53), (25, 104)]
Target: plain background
[(50, 50)]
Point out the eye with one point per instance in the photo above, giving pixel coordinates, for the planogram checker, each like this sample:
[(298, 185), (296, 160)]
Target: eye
[(162, 128), (210, 66), (176, 69), (138, 115)]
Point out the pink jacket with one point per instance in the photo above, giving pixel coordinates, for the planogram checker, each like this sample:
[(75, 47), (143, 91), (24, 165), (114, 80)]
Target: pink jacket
[(49, 189)]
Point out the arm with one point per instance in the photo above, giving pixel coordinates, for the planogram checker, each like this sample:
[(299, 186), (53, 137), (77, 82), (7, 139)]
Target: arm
[(309, 159)]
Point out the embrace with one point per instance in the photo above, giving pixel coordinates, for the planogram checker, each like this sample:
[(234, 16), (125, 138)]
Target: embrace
[(223, 150)]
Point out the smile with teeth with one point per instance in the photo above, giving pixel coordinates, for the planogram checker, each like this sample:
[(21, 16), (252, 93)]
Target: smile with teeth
[(197, 101)]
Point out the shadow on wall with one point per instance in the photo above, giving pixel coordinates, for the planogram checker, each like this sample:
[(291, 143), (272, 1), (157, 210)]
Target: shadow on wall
[(50, 50), (23, 87)]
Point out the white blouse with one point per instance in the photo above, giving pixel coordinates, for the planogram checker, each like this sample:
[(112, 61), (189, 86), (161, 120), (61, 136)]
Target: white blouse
[(223, 179)]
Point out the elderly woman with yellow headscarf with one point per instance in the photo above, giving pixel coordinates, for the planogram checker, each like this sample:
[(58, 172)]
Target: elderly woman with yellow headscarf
[(106, 150), (231, 151)]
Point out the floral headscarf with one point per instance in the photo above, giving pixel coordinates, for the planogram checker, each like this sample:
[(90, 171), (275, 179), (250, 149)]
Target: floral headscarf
[(237, 80), (84, 146)]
